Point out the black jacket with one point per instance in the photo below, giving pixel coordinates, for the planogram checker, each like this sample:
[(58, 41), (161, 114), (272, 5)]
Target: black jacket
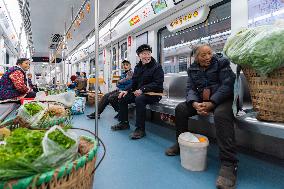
[(218, 77), (148, 78)]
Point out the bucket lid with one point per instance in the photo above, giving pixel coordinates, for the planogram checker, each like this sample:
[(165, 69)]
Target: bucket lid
[(188, 137)]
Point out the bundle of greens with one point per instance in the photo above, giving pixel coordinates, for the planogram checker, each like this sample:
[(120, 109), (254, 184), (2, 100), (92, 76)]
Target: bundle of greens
[(28, 152), (261, 48), (22, 147), (33, 108), (32, 113), (61, 139)]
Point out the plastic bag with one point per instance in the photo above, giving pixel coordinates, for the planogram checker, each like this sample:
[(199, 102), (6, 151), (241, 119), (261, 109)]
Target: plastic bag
[(32, 119), (79, 106), (261, 48), (55, 115), (53, 155), (188, 137), (67, 98)]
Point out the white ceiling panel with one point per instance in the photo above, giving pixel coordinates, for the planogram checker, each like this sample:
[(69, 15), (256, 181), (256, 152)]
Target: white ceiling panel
[(48, 18)]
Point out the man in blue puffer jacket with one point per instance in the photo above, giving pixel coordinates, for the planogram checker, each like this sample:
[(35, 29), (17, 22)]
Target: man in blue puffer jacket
[(210, 88), (112, 97)]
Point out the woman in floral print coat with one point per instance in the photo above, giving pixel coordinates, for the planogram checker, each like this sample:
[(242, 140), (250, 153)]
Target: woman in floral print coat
[(14, 83)]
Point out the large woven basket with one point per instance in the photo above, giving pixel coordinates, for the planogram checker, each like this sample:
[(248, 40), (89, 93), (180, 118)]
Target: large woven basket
[(267, 94), (75, 175), (91, 98)]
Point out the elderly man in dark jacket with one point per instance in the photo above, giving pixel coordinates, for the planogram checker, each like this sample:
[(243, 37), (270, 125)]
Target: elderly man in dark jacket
[(210, 89), (147, 83)]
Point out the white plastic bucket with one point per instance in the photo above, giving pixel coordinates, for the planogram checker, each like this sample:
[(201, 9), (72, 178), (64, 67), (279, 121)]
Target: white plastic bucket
[(193, 153)]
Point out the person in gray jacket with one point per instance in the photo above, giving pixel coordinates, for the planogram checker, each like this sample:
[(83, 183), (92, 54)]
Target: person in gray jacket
[(210, 88)]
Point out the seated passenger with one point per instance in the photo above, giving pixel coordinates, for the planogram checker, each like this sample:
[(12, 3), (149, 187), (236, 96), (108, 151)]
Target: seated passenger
[(148, 77), (210, 89), (112, 97), (82, 82), (14, 83), (73, 83)]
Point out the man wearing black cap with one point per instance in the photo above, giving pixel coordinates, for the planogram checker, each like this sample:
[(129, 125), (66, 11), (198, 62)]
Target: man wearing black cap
[(147, 84)]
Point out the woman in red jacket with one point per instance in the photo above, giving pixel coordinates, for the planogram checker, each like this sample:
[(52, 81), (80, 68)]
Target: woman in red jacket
[(14, 83)]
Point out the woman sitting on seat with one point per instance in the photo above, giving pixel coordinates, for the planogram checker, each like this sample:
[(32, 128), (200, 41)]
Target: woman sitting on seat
[(73, 83), (14, 83)]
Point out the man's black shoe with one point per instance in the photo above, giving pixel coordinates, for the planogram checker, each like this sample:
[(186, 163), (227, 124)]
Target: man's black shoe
[(120, 126), (137, 134), (227, 177)]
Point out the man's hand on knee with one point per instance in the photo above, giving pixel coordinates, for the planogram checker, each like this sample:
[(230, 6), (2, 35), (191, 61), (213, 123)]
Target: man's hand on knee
[(122, 94), (138, 92), (202, 108)]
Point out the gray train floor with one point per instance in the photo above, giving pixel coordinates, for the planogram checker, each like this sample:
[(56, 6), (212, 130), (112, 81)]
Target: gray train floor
[(142, 164)]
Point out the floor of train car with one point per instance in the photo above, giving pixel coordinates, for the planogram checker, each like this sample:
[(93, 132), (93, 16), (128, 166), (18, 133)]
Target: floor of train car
[(142, 164)]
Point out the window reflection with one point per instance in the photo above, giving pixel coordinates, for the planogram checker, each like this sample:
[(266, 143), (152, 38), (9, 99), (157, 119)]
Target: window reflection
[(175, 48)]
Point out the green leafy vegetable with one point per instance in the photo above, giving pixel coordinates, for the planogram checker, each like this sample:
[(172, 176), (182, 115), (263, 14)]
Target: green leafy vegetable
[(23, 144), (261, 48), (33, 108), (58, 137)]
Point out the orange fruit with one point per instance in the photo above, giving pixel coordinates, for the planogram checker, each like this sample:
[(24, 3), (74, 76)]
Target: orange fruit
[(202, 139)]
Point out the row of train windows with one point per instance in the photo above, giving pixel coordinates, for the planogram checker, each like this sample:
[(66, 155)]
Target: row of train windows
[(215, 30)]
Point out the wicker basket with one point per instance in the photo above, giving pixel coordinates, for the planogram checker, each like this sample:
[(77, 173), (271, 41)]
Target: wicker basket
[(91, 98), (75, 175), (267, 94)]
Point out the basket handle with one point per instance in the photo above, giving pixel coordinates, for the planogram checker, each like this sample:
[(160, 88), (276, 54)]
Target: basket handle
[(100, 141)]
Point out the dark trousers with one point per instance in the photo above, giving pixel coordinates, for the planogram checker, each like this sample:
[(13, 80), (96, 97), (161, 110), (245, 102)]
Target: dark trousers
[(223, 118), (109, 98), (140, 102)]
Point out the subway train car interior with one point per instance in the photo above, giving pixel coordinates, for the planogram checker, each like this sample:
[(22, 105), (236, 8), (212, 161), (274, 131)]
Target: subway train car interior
[(134, 94)]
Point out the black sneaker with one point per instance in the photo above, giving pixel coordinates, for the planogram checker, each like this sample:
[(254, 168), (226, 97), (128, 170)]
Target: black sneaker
[(173, 150), (227, 177), (120, 126), (137, 134), (93, 116)]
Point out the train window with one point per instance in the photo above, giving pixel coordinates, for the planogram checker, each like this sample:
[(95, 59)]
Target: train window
[(123, 49), (141, 39), (175, 47), (263, 12)]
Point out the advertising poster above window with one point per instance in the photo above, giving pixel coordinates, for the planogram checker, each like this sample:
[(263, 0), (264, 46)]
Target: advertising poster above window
[(159, 5), (190, 19)]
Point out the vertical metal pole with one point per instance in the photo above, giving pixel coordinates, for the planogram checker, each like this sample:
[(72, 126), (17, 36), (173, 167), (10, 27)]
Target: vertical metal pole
[(97, 61), (90, 64), (68, 71), (71, 68), (63, 67), (50, 77), (55, 72)]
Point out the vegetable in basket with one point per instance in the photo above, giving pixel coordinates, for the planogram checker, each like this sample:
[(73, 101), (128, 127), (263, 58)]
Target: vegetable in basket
[(61, 139), (261, 48), (29, 152), (33, 108)]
